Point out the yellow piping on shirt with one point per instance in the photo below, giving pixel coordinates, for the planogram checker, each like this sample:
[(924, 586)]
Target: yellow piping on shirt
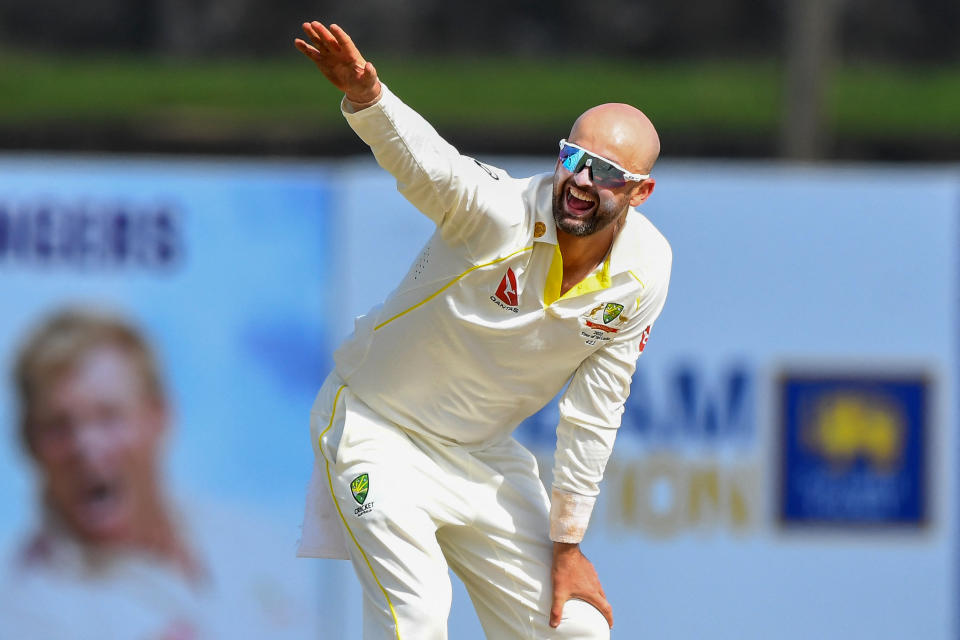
[(333, 412), (448, 285), (637, 307)]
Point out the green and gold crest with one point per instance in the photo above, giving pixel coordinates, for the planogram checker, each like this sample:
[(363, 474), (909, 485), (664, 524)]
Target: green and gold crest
[(359, 487), (610, 311)]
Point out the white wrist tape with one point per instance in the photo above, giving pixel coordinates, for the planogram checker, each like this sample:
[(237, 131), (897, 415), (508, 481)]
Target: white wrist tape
[(569, 515)]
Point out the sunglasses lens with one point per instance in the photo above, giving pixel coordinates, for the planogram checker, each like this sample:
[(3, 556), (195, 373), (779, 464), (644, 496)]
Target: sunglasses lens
[(570, 157), (602, 172), (606, 175)]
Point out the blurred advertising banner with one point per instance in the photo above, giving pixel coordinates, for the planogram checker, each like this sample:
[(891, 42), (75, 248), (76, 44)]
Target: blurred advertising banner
[(853, 450), (222, 270)]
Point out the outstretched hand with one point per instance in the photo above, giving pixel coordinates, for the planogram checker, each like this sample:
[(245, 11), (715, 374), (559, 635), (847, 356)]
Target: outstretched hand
[(575, 577), (337, 57)]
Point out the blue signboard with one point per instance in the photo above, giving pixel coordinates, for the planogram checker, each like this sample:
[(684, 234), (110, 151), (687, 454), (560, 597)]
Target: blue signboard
[(853, 450)]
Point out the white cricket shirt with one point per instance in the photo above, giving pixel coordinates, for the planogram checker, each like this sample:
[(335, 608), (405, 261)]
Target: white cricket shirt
[(476, 337)]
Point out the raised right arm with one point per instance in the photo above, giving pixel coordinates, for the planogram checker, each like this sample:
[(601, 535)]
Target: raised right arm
[(465, 199)]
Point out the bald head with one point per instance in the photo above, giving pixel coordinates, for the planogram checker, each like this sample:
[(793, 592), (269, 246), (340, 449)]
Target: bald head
[(619, 132)]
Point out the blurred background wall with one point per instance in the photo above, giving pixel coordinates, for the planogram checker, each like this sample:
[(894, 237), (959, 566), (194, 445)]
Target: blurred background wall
[(821, 79), (920, 31), (787, 464)]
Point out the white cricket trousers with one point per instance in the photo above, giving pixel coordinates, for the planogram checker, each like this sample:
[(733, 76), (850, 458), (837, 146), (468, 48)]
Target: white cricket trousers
[(413, 506)]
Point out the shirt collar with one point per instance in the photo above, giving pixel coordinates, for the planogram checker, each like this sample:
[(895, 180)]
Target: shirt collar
[(544, 213)]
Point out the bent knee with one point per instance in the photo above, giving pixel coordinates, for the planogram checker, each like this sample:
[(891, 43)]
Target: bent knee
[(582, 621)]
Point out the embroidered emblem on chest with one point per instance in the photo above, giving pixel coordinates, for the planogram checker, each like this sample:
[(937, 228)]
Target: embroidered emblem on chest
[(602, 322), (610, 311)]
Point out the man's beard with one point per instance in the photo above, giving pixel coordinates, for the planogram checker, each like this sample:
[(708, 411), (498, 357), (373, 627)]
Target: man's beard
[(599, 219)]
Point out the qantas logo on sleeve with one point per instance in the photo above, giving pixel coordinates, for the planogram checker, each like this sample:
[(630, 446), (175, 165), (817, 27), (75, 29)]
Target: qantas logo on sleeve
[(506, 295), (643, 339)]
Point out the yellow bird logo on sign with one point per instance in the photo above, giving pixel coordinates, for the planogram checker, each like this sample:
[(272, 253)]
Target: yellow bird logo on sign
[(849, 426)]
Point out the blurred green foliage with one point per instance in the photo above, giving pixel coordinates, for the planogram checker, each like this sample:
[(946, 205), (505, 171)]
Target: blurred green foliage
[(911, 100), (514, 94)]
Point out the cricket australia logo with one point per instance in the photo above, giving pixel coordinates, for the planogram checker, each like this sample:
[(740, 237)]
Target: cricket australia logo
[(360, 487), (610, 312), (506, 296), (601, 322)]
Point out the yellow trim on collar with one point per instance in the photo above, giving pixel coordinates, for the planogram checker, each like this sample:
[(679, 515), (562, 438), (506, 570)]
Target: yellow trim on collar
[(593, 282)]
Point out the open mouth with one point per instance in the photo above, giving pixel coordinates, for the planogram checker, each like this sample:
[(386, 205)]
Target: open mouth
[(99, 493), (99, 502), (578, 201)]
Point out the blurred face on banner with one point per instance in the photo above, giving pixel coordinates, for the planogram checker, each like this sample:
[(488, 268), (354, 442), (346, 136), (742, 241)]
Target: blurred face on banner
[(95, 433)]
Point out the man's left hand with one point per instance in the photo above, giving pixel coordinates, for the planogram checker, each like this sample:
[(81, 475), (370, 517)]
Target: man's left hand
[(575, 577)]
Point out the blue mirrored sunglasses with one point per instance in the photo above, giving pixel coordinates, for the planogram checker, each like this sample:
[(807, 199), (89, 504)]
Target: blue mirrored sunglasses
[(604, 173)]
